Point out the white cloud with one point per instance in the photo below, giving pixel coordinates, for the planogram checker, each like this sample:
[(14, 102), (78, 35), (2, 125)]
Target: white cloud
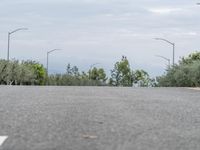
[(192, 33), (165, 10)]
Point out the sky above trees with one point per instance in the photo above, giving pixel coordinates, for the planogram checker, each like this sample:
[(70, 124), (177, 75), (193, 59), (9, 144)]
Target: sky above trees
[(93, 31)]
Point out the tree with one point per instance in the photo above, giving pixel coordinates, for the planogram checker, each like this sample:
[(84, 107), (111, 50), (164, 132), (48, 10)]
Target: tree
[(141, 78), (38, 72), (97, 75), (72, 71), (184, 74), (24, 73), (121, 75), (3, 71), (191, 58), (13, 70)]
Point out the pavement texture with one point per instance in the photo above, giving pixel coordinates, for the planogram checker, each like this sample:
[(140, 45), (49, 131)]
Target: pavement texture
[(99, 118)]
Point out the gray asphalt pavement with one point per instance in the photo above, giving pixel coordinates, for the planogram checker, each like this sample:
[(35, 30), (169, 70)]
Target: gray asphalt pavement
[(99, 118)]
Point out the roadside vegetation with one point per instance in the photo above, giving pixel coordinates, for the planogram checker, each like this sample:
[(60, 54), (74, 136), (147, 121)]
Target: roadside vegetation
[(21, 73), (33, 73), (121, 75), (184, 74)]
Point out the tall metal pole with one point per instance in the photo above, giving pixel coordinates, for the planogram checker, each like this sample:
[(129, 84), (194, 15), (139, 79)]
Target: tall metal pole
[(8, 46), (167, 59), (48, 61), (9, 33), (173, 44), (173, 54)]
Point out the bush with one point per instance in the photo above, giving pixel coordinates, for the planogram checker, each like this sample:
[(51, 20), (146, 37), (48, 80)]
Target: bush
[(24, 73), (185, 74)]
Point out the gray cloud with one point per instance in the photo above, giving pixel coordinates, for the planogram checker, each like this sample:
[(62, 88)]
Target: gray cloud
[(93, 30)]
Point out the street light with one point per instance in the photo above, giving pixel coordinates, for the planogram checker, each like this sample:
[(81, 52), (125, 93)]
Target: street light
[(173, 45), (48, 58), (167, 59), (9, 33)]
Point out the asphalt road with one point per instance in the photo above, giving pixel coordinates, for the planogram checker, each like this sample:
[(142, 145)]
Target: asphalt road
[(99, 118)]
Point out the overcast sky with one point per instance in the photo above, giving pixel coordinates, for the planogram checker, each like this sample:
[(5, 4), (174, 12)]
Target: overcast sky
[(100, 31)]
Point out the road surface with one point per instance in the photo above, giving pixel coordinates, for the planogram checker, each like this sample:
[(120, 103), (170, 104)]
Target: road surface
[(99, 118)]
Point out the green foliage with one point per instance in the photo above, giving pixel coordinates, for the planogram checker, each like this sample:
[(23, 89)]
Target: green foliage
[(142, 79), (191, 58), (121, 74), (72, 71), (97, 75), (33, 73), (25, 73), (37, 70), (72, 77), (3, 71), (185, 74)]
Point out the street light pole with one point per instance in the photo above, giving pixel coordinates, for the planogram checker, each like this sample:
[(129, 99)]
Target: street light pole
[(167, 59), (9, 34), (48, 59), (173, 45)]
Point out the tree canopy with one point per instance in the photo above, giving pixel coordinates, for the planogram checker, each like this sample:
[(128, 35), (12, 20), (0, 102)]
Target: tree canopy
[(24, 73), (33, 73), (184, 74)]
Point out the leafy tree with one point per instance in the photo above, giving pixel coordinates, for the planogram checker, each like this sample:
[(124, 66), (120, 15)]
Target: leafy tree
[(24, 73), (13, 69), (184, 74), (3, 71), (33, 73), (121, 75), (72, 71), (97, 75), (191, 58), (37, 70), (141, 78)]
